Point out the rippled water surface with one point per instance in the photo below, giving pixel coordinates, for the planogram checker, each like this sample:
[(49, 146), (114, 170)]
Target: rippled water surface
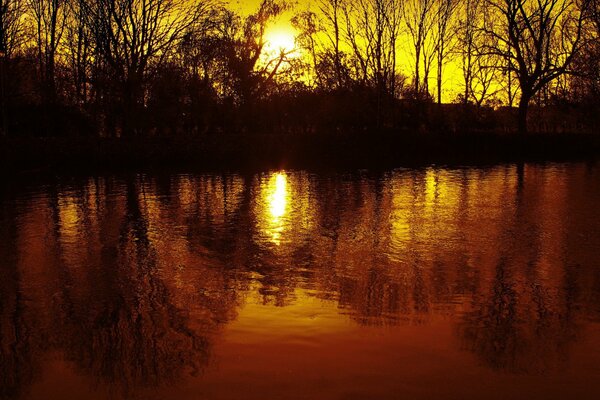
[(417, 284)]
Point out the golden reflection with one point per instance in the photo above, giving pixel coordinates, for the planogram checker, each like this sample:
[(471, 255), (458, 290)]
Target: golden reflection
[(303, 316), (431, 190), (149, 290), (69, 217), (402, 204), (277, 199)]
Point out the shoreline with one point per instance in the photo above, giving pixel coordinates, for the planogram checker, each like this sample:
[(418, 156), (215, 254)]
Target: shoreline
[(235, 152)]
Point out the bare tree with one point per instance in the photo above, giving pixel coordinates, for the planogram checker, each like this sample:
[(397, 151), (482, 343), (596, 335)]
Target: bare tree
[(49, 19), (11, 26), (394, 26), (468, 39), (371, 30), (307, 25), (250, 69), (419, 17), (332, 13), (11, 38), (323, 35), (445, 20), (484, 82), (539, 38), (78, 50), (584, 84), (134, 36), (200, 48), (480, 70)]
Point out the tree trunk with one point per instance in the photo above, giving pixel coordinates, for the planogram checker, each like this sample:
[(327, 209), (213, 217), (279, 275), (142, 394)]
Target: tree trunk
[(439, 85), (523, 110), (50, 84), (417, 75)]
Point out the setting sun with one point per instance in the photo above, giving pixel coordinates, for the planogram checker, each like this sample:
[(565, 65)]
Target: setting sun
[(281, 39)]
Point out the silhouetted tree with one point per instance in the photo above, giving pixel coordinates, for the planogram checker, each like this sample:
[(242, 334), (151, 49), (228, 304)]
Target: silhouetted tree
[(133, 36), (331, 11), (584, 84), (538, 38), (49, 20), (468, 40), (480, 71), (307, 24), (11, 39), (11, 26), (371, 32), (244, 44), (445, 20), (200, 59), (419, 17), (79, 50)]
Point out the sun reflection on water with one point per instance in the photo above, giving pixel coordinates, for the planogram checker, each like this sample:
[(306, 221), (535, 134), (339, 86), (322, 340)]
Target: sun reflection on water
[(277, 199), (256, 275), (278, 196), (69, 217)]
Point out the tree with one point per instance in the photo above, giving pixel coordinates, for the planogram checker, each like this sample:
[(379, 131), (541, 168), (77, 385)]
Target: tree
[(78, 49), (250, 70), (49, 19), (11, 38), (11, 26), (419, 18), (372, 29), (468, 39), (484, 82), (480, 70), (134, 36), (307, 24), (539, 38), (584, 84), (332, 13), (201, 59), (443, 44)]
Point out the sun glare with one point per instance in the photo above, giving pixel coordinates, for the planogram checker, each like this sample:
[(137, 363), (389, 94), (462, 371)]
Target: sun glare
[(277, 200), (278, 197), (281, 39)]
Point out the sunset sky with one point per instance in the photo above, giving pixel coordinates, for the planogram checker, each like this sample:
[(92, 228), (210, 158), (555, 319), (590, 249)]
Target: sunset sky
[(281, 34)]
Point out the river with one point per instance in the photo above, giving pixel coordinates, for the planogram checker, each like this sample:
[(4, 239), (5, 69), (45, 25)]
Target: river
[(454, 283)]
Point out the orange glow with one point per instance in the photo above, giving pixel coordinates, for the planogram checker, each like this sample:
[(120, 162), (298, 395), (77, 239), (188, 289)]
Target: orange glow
[(277, 196), (277, 204), (281, 39), (366, 286)]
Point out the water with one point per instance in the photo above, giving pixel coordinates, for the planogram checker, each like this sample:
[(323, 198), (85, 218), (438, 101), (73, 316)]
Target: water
[(429, 283)]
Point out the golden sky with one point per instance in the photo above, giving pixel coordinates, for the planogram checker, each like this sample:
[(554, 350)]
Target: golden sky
[(281, 35)]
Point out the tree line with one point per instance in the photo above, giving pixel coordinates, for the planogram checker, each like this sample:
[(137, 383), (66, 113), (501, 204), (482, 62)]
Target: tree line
[(165, 67)]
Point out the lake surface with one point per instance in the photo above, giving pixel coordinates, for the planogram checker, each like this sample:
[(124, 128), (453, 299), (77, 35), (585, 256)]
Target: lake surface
[(419, 284)]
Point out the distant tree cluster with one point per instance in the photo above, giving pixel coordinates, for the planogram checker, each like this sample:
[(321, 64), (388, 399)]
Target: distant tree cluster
[(167, 67)]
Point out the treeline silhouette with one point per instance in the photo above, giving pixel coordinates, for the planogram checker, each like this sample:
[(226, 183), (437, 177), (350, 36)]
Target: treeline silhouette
[(129, 68)]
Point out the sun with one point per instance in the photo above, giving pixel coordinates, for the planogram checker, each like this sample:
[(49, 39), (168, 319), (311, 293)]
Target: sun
[(281, 39)]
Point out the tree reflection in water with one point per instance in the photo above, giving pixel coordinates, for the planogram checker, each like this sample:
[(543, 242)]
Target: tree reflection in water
[(133, 279), (17, 348), (128, 331), (519, 327)]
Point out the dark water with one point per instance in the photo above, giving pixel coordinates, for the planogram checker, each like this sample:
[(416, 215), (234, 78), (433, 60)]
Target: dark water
[(432, 283)]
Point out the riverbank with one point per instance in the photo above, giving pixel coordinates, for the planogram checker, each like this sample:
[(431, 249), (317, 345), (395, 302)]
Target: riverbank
[(252, 151)]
